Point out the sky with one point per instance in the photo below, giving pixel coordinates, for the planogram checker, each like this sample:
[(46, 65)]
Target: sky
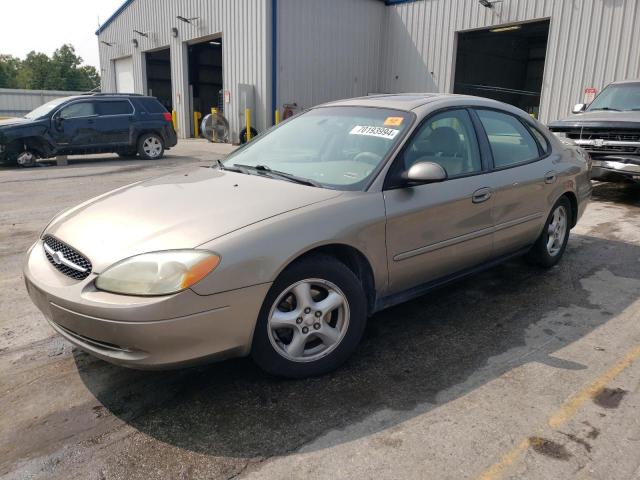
[(44, 25)]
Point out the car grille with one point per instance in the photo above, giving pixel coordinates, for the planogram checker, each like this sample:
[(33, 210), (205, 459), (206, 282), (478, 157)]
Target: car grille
[(71, 255), (606, 142)]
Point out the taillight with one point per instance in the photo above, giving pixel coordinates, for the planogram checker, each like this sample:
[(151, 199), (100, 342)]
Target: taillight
[(167, 116)]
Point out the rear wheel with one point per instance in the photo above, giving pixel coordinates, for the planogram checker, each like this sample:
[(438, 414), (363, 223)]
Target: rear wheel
[(550, 246), (150, 146), (311, 320)]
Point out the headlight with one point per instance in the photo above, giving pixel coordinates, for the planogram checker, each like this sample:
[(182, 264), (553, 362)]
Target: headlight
[(158, 273)]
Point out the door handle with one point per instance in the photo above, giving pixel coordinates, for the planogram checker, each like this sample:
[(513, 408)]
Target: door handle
[(481, 195), (550, 177)]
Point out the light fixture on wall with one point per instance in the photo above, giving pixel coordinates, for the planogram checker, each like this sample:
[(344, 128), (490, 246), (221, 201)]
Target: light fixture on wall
[(174, 32), (510, 28), (143, 34), (135, 43), (489, 3), (107, 43), (185, 19)]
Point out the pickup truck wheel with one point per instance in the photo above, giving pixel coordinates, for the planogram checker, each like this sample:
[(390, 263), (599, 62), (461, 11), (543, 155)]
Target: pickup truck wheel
[(150, 146)]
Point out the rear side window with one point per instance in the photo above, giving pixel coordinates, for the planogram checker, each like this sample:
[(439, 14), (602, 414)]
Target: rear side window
[(114, 107), (542, 140), (151, 105), (511, 143)]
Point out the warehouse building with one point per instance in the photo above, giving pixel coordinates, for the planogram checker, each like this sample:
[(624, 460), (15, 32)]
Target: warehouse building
[(268, 55)]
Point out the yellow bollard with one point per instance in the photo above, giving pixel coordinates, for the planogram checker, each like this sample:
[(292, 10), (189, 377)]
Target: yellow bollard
[(174, 120), (214, 112), (196, 124), (277, 116), (247, 116)]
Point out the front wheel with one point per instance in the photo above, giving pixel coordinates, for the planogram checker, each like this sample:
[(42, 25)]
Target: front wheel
[(550, 246), (150, 146), (311, 320)]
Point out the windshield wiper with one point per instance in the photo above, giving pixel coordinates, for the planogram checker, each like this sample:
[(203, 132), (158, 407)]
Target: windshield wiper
[(222, 166), (605, 108), (287, 176)]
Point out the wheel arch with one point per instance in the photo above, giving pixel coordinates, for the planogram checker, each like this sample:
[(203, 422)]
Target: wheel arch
[(353, 259), (573, 201)]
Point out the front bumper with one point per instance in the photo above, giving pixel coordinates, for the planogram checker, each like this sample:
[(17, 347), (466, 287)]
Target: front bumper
[(144, 332), (616, 168)]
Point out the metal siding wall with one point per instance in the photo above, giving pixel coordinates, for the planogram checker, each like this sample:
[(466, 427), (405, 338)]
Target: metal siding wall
[(328, 49), (17, 102), (245, 29), (591, 43)]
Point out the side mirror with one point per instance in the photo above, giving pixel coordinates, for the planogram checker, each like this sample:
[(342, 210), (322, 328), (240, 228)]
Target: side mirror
[(579, 108), (424, 172)]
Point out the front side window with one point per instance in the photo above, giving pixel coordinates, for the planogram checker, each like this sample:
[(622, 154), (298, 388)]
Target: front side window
[(337, 147), (511, 143), (78, 110), (116, 107), (448, 139)]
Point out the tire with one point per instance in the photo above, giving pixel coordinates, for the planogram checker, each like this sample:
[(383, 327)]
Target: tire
[(150, 146), (552, 242), (328, 338), (243, 135)]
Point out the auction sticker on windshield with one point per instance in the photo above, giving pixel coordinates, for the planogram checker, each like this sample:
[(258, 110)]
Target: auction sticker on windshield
[(382, 132)]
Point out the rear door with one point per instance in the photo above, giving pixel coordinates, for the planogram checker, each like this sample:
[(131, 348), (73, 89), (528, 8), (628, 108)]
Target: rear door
[(439, 229), (522, 177), (114, 122)]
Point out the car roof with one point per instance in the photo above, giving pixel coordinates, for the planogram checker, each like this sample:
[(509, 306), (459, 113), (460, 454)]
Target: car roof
[(622, 82), (107, 96), (413, 101)]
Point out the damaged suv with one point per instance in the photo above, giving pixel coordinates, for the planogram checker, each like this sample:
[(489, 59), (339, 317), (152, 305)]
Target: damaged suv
[(126, 124), (609, 129)]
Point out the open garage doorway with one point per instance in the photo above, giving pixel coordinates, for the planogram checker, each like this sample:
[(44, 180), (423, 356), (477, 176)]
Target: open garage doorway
[(205, 77), (158, 65), (505, 63)]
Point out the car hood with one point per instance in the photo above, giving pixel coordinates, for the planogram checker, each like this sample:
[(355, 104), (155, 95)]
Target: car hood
[(600, 118), (10, 122), (176, 211)]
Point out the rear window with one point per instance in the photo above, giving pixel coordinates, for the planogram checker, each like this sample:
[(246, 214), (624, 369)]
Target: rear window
[(114, 107), (151, 105)]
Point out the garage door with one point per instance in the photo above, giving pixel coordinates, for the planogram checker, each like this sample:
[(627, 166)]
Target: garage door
[(124, 75)]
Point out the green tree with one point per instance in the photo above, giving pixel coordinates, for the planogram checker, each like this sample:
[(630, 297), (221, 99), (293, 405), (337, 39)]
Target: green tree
[(9, 68), (62, 71)]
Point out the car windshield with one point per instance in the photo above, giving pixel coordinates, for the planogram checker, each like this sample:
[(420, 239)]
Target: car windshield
[(621, 97), (334, 147), (43, 110)]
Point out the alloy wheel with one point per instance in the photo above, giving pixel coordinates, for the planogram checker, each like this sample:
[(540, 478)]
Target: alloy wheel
[(308, 320), (556, 231), (152, 147)]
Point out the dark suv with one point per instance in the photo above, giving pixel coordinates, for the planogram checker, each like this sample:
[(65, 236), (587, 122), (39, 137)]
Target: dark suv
[(126, 124)]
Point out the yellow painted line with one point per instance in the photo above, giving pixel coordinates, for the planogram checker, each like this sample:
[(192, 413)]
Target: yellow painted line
[(564, 413)]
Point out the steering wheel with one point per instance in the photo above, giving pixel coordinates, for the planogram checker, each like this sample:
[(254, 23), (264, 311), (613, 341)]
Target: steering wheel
[(368, 157)]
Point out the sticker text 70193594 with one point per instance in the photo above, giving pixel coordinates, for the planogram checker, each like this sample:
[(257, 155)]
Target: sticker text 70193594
[(382, 132)]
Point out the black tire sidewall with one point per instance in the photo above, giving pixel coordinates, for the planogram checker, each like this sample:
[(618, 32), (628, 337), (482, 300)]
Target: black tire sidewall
[(321, 267), (539, 253), (141, 151)]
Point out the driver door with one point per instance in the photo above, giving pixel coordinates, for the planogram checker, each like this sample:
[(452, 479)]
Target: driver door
[(75, 126), (438, 229)]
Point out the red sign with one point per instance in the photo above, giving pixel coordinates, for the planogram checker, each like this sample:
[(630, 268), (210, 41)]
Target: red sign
[(589, 95)]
